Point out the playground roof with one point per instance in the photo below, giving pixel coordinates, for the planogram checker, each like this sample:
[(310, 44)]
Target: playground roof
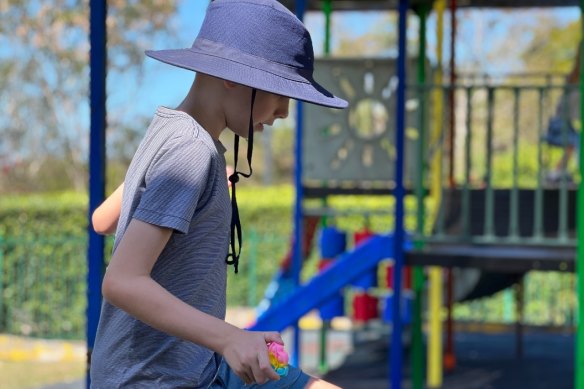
[(364, 5)]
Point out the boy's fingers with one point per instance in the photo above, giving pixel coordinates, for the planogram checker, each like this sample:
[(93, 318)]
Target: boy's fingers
[(273, 337), (266, 367), (247, 378), (243, 375), (258, 375)]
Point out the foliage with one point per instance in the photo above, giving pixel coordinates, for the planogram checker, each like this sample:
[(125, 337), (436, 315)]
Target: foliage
[(551, 46), (381, 38), (43, 256), (44, 78), (549, 300), (44, 250), (43, 246)]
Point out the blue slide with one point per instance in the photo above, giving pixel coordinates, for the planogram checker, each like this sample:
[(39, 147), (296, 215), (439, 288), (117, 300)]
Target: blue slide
[(325, 285)]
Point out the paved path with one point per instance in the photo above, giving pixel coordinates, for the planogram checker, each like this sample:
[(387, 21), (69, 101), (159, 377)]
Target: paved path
[(67, 385), (339, 344), (359, 360)]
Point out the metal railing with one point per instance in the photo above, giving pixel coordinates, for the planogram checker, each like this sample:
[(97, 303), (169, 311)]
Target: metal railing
[(42, 285), (500, 162), (549, 300)]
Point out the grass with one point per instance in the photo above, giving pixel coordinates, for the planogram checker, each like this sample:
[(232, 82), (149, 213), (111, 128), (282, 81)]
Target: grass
[(27, 362), (34, 374)]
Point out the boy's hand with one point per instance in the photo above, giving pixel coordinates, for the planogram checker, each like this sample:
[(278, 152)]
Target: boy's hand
[(246, 352)]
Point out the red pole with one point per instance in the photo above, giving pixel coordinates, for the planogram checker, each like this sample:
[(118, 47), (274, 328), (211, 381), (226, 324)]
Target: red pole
[(449, 356)]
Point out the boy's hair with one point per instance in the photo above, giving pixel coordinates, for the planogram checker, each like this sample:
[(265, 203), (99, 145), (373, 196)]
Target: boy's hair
[(260, 44)]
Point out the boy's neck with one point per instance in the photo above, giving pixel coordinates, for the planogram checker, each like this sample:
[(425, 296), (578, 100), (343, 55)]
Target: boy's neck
[(203, 103)]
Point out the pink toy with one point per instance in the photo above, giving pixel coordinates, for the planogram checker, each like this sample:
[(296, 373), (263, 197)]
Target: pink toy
[(278, 358)]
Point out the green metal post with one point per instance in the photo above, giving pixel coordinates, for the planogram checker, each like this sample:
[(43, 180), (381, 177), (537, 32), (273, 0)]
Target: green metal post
[(417, 357), (467, 166), (580, 221), (489, 207), (21, 282), (327, 9), (2, 318), (323, 365), (514, 216), (253, 276), (519, 300), (538, 211), (10, 274), (507, 306), (441, 217), (573, 316), (563, 215)]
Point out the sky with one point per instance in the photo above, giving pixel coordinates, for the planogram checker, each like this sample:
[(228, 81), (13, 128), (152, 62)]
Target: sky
[(166, 85)]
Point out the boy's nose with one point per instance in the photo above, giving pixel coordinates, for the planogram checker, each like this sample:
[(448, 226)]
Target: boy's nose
[(282, 111), (281, 114)]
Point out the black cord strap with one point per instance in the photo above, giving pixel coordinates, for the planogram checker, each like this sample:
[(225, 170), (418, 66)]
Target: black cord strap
[(235, 250)]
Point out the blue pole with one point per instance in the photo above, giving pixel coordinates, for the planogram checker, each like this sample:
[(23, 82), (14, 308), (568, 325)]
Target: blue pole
[(95, 250), (396, 349), (298, 212)]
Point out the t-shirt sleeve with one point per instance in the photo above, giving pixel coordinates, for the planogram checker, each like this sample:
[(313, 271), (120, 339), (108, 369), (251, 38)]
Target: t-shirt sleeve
[(174, 184)]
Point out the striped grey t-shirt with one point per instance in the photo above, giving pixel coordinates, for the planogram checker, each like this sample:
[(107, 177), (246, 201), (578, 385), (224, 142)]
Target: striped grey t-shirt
[(175, 180)]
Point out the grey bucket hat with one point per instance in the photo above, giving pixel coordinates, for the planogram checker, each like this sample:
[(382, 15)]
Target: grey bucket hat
[(258, 43)]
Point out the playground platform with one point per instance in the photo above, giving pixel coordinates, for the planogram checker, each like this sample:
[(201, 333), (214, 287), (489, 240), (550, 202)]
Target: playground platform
[(484, 361)]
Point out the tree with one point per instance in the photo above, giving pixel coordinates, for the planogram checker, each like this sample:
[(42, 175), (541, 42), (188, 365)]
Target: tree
[(552, 47), (44, 79), (379, 40)]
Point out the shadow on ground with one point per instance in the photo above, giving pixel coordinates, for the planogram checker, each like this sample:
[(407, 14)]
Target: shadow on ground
[(485, 361)]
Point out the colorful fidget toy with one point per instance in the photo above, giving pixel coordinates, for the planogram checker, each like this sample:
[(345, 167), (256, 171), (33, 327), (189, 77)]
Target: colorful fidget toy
[(278, 358)]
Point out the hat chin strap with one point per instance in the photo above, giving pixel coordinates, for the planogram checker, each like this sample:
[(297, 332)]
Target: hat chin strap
[(235, 250)]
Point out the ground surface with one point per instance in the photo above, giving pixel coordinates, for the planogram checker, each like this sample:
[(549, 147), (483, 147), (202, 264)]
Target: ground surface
[(355, 359)]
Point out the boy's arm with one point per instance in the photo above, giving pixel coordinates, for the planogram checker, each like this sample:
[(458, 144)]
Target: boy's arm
[(127, 284), (105, 217)]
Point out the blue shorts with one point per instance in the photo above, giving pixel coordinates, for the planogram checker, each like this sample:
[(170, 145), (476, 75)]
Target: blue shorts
[(227, 379)]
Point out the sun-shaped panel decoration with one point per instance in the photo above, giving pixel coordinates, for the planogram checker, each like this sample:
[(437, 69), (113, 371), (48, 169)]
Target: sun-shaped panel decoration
[(357, 145)]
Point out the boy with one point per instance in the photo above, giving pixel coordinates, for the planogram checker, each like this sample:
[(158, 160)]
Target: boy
[(162, 321), (561, 130)]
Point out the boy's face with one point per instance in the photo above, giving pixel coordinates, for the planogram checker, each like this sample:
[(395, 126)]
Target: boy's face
[(267, 108)]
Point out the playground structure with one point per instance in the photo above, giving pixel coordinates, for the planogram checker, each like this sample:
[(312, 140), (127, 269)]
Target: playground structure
[(501, 228), (465, 216)]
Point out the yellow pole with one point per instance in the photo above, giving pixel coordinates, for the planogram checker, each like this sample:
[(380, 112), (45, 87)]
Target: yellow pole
[(434, 372)]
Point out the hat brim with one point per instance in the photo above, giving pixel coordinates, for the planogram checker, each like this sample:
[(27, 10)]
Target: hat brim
[(308, 91)]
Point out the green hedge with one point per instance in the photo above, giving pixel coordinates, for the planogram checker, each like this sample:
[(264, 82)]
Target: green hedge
[(43, 246), (43, 241)]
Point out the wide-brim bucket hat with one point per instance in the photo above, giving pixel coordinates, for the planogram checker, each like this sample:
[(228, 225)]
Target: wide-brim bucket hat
[(258, 43)]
